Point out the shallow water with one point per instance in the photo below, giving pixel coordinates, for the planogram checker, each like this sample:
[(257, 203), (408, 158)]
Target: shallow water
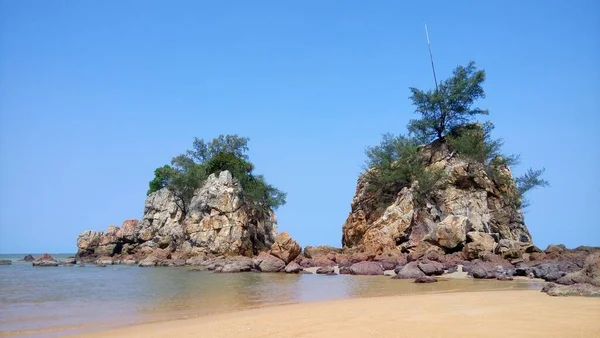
[(50, 301)]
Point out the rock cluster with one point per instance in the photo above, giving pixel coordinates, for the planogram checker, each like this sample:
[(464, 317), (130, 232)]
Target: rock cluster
[(467, 213), (217, 222)]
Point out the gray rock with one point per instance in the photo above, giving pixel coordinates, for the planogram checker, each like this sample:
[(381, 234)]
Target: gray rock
[(366, 268), (589, 274), (28, 258), (45, 263), (425, 279), (431, 268), (5, 262), (325, 270), (70, 260), (409, 271), (293, 267), (268, 263)]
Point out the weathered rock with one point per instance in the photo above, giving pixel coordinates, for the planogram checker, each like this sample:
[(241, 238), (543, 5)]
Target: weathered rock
[(322, 261), (219, 222), (28, 258), (345, 270), (70, 261), (410, 270), (553, 270), (285, 247), (5, 262), (426, 279), (216, 222), (318, 251), (387, 262), (268, 263), (293, 267), (450, 232), (579, 289), (325, 270), (589, 274), (478, 242), (468, 201), (149, 262), (555, 248), (45, 260), (366, 268), (431, 268)]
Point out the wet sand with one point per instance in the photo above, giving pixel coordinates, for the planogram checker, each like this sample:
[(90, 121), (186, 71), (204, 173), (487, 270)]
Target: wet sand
[(462, 314)]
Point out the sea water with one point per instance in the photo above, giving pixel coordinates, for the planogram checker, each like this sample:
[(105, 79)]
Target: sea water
[(53, 301)]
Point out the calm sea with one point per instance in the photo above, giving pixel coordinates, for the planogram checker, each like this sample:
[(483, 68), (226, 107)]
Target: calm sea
[(53, 301)]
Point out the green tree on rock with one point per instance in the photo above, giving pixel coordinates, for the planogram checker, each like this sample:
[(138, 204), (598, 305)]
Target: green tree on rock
[(190, 170), (448, 115)]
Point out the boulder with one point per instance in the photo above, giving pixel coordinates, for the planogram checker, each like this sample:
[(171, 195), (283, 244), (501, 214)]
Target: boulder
[(148, 262), (579, 289), (323, 250), (325, 270), (45, 260), (409, 271), (70, 261), (28, 258), (293, 267), (450, 232), (322, 261), (5, 262), (425, 279), (366, 268), (431, 268), (589, 274), (268, 263), (285, 247), (238, 264), (477, 243)]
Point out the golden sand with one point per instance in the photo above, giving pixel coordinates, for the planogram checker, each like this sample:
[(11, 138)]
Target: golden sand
[(461, 314)]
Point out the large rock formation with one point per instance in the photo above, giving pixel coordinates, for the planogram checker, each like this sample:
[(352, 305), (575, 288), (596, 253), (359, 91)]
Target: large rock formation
[(217, 223), (469, 211)]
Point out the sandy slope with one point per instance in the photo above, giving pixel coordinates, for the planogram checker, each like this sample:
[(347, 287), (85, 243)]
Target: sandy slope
[(470, 314)]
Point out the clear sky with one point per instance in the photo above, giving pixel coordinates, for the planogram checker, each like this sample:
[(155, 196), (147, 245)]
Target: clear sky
[(96, 94)]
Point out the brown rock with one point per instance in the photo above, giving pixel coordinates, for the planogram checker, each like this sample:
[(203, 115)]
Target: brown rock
[(478, 242), (293, 267), (425, 279), (285, 247), (366, 268), (323, 250)]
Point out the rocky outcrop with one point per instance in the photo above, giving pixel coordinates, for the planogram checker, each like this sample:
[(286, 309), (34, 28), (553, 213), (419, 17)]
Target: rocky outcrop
[(589, 274), (217, 222), (466, 211), (45, 260)]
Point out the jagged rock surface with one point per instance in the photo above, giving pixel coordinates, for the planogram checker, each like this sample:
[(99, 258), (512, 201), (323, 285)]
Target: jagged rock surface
[(469, 202), (217, 223)]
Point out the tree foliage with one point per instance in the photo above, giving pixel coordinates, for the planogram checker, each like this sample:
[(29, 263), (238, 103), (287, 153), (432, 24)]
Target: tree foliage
[(448, 106), (394, 164), (447, 114), (188, 172)]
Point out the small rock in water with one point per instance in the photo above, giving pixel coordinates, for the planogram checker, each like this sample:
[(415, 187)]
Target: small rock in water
[(28, 258), (5, 262), (425, 279), (324, 270)]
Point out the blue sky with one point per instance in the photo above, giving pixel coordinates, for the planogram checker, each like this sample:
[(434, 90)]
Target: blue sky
[(95, 94)]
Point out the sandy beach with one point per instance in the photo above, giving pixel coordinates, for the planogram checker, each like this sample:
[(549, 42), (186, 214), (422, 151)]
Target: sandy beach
[(461, 314)]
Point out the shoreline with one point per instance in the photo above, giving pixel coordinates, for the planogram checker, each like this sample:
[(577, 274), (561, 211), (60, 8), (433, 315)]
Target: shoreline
[(495, 313)]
